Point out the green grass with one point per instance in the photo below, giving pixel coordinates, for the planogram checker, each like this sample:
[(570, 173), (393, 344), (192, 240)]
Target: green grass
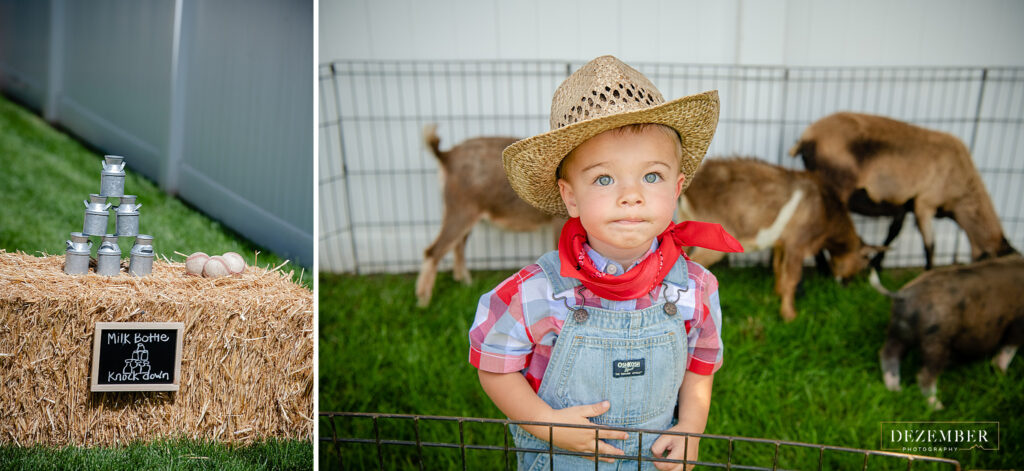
[(46, 176), (163, 454), (815, 380)]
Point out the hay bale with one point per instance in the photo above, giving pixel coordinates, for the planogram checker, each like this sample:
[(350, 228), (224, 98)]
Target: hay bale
[(246, 369)]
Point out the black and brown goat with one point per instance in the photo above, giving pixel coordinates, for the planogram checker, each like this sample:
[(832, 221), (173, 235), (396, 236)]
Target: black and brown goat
[(968, 310), (879, 166)]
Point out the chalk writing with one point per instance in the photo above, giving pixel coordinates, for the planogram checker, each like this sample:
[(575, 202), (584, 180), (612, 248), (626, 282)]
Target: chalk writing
[(137, 356)]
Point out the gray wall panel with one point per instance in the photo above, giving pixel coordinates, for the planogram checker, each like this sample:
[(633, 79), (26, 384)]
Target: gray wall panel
[(212, 99), (24, 41), (248, 118), (117, 77)]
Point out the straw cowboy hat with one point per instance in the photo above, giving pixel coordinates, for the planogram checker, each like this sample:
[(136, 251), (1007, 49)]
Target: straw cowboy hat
[(605, 94)]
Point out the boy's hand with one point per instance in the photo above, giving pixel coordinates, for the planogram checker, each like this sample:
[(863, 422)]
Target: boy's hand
[(579, 439), (672, 447)]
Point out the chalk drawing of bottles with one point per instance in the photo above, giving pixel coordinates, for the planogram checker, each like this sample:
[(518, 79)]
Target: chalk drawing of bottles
[(139, 362)]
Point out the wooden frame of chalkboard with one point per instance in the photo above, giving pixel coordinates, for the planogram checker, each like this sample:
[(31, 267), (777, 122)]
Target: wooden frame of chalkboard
[(114, 341)]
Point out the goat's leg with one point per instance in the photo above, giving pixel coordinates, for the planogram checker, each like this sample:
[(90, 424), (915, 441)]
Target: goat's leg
[(935, 356), (821, 263), (455, 226), (1012, 340), (459, 271), (1005, 356), (925, 214), (889, 356), (894, 230), (788, 264), (777, 262)]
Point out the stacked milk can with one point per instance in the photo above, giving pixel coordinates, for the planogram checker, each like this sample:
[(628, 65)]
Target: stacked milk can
[(98, 211)]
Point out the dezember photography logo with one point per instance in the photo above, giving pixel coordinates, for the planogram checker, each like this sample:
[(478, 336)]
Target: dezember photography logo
[(917, 437)]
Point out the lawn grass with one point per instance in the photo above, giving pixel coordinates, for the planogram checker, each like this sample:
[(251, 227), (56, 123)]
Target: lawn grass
[(163, 454), (815, 380), (46, 176)]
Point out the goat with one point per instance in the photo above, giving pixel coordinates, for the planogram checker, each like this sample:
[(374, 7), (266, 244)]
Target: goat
[(764, 205), (963, 309), (474, 187), (880, 166)]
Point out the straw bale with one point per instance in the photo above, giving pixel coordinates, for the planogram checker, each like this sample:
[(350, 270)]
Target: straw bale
[(246, 369)]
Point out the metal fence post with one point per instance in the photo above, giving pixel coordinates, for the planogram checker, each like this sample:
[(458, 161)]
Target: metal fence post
[(344, 174), (782, 116), (974, 138)]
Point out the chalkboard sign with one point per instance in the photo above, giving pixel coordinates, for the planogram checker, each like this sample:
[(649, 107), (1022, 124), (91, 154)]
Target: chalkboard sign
[(136, 356)]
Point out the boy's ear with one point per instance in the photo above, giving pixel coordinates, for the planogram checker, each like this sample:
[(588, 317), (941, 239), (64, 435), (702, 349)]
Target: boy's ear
[(679, 184), (568, 197)]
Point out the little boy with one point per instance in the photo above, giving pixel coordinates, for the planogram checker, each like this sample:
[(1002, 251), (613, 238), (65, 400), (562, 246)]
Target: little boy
[(616, 327)]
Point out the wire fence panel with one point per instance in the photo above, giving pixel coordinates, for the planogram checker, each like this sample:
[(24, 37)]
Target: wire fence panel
[(381, 200), (351, 440)]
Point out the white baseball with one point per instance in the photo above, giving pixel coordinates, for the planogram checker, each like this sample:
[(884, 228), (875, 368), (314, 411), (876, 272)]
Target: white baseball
[(236, 264), (194, 263), (215, 267)]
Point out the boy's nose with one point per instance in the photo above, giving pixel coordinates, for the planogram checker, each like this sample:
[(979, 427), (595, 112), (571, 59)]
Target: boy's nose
[(631, 197)]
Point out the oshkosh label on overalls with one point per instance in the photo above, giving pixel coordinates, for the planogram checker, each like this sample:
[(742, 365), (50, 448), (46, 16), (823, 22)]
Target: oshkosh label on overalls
[(624, 368)]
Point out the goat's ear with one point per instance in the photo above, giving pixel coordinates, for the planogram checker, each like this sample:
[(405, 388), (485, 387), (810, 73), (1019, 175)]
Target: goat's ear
[(568, 197)]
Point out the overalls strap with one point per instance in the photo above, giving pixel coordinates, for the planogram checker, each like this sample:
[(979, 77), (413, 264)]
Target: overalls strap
[(551, 265), (679, 275)]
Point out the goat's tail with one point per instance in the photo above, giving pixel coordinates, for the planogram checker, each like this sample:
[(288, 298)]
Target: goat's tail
[(431, 140), (795, 150), (877, 284), (806, 149)]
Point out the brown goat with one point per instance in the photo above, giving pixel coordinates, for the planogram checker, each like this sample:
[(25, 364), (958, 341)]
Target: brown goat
[(967, 310), (764, 205), (880, 166), (475, 187)]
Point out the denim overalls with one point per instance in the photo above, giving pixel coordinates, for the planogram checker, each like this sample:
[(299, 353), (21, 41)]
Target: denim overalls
[(634, 359)]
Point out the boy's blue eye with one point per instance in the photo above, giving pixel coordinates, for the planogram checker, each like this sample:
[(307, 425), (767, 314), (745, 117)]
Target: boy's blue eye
[(652, 177), (604, 180)]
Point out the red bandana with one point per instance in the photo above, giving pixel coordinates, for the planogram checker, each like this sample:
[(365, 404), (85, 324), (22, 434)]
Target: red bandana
[(648, 274)]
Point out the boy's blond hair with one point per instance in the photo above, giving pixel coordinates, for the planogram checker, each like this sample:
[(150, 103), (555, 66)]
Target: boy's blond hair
[(637, 128)]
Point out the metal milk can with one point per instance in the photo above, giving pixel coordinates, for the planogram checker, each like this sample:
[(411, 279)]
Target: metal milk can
[(127, 215), (141, 263), (95, 215), (112, 177), (108, 257), (76, 257)]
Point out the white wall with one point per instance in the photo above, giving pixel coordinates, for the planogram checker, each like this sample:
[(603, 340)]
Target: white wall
[(489, 67), (763, 32)]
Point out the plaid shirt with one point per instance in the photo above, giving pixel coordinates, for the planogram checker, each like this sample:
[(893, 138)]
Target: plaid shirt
[(517, 323)]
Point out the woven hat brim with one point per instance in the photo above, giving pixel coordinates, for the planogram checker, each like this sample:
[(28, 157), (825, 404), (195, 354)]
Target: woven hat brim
[(531, 164)]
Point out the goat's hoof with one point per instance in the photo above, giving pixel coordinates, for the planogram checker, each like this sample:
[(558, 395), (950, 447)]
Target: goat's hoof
[(935, 403), (995, 363), (891, 380), (422, 302)]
